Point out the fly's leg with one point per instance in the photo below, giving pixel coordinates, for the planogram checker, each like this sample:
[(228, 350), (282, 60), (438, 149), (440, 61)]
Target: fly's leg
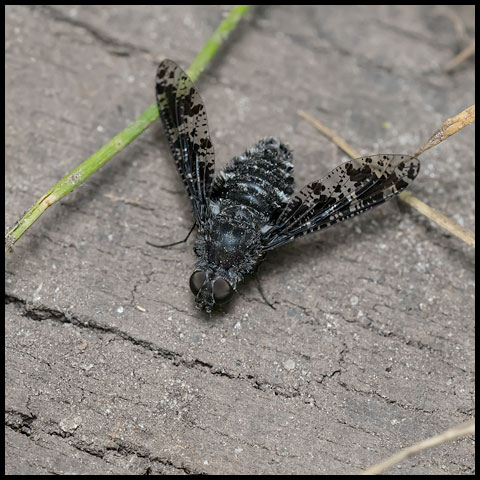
[(174, 243), (260, 289)]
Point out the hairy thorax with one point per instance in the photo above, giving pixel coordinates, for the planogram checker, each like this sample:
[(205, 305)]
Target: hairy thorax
[(230, 241)]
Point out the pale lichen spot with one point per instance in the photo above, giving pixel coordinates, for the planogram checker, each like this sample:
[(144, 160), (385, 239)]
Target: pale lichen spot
[(74, 177)]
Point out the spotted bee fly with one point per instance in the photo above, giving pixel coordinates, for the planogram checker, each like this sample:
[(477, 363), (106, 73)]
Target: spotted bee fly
[(249, 208)]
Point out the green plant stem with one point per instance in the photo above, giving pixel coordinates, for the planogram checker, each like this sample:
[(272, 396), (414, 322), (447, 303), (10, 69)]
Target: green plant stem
[(120, 141)]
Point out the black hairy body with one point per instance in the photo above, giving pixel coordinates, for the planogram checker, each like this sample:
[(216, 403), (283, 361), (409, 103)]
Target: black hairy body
[(247, 197), (249, 208)]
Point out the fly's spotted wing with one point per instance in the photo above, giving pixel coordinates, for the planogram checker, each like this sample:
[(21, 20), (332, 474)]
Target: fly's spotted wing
[(350, 189), (184, 119)]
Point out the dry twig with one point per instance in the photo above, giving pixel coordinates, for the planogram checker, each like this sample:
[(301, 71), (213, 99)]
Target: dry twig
[(448, 128), (462, 430), (460, 58)]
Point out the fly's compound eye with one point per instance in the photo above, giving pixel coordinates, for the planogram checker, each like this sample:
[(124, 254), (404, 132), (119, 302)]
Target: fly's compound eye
[(197, 279), (222, 291)]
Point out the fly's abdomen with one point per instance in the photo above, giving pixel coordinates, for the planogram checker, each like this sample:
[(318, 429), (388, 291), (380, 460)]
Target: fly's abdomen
[(261, 179)]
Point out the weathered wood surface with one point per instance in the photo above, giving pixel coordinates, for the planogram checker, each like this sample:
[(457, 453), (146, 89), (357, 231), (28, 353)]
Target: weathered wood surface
[(370, 347)]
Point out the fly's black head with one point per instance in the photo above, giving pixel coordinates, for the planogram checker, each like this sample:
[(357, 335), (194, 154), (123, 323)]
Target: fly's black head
[(209, 289), (223, 248)]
